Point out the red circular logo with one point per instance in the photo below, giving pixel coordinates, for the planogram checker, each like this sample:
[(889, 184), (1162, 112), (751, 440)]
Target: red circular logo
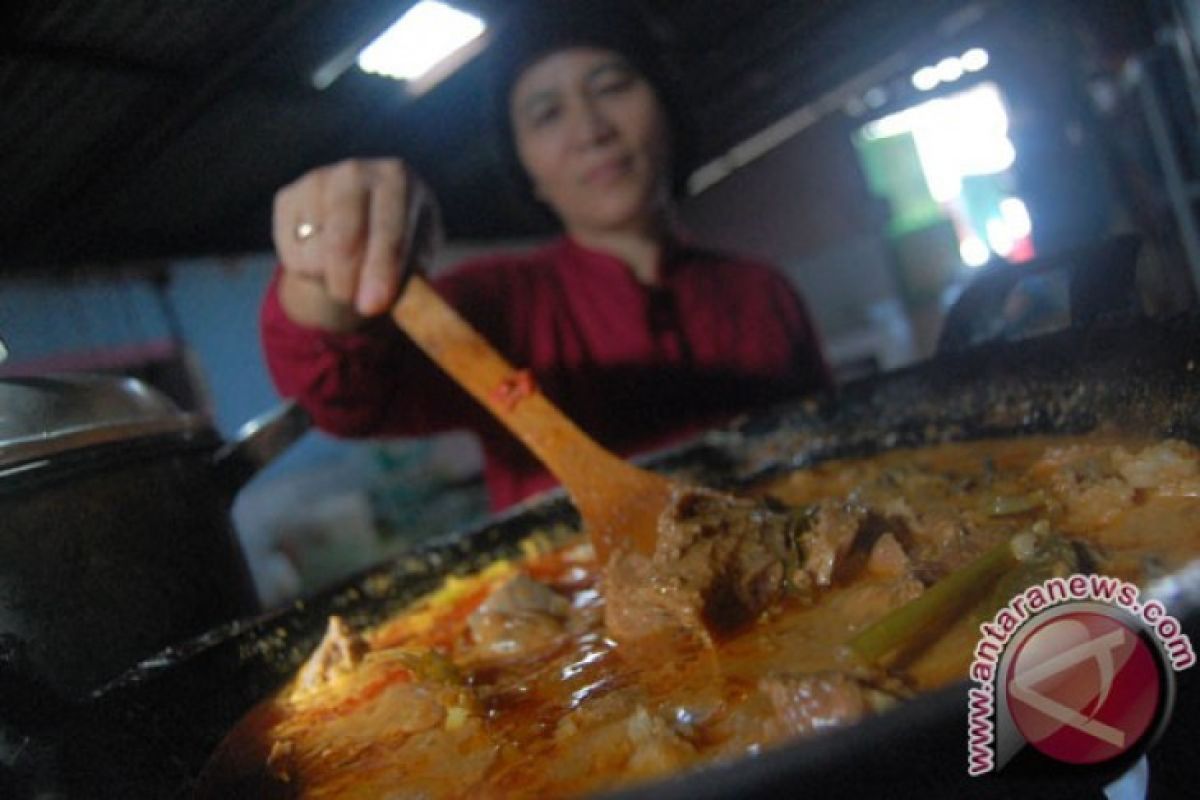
[(1083, 687)]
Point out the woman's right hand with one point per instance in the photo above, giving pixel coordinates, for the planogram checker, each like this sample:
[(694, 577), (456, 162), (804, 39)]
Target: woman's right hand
[(344, 234)]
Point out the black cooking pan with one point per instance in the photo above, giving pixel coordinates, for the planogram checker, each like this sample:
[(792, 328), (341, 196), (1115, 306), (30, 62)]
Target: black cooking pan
[(150, 733)]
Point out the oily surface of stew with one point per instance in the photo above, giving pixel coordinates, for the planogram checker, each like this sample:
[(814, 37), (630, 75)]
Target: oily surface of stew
[(510, 683)]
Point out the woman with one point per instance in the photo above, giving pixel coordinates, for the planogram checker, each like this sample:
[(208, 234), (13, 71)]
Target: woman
[(638, 336)]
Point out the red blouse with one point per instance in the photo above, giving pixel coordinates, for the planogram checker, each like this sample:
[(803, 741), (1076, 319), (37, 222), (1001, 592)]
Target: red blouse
[(637, 367)]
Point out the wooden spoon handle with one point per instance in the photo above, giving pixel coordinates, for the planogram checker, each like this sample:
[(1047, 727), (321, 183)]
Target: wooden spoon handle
[(595, 478)]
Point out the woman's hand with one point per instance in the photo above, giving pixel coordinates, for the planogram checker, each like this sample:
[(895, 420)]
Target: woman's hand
[(344, 233)]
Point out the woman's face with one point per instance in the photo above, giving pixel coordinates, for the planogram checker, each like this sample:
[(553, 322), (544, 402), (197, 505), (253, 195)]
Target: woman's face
[(593, 137)]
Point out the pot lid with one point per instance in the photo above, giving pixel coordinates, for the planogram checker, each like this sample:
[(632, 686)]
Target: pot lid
[(42, 416)]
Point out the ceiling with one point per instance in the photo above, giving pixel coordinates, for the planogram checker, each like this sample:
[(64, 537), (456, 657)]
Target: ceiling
[(148, 129)]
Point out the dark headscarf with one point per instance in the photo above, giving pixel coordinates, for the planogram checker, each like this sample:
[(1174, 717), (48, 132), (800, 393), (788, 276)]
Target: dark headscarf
[(534, 29)]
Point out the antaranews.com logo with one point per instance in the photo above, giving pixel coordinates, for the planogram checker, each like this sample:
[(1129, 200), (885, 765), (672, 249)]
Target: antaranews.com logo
[(1078, 669)]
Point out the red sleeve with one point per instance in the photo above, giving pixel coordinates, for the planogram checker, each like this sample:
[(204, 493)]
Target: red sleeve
[(370, 382)]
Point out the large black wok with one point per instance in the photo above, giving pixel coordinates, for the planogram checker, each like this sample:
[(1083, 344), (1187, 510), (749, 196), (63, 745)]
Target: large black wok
[(149, 734)]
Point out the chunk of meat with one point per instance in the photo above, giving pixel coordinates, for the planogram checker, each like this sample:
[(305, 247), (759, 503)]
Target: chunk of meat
[(935, 539), (830, 539), (847, 539), (376, 709), (804, 704), (1098, 485), (523, 595), (718, 562), (658, 749), (787, 705), (339, 652), (1170, 468), (636, 743), (413, 726), (888, 559), (1096, 505), (522, 617)]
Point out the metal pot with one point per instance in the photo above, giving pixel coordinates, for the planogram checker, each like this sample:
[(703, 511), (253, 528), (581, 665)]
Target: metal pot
[(115, 533)]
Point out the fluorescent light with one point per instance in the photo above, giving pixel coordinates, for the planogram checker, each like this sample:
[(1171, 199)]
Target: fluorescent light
[(949, 69), (925, 79), (1016, 217), (999, 237), (955, 136), (975, 59), (424, 37), (974, 252)]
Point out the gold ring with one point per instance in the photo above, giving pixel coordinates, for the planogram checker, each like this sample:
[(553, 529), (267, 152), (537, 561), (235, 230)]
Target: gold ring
[(306, 230)]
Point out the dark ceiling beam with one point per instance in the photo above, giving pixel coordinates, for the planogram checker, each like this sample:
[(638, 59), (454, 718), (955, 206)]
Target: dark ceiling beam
[(92, 58), (778, 50), (100, 60), (781, 28), (137, 143), (749, 62)]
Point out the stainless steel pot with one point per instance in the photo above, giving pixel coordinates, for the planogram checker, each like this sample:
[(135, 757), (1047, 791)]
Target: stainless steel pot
[(115, 532)]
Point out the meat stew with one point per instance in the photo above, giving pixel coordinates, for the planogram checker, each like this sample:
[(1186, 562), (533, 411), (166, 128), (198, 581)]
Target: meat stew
[(546, 675)]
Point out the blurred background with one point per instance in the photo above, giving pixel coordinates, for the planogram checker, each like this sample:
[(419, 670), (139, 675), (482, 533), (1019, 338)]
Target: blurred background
[(883, 155)]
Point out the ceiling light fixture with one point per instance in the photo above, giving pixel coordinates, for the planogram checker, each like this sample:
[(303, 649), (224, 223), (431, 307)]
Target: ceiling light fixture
[(974, 252), (425, 37), (949, 69), (1016, 216), (975, 59), (999, 237), (926, 79)]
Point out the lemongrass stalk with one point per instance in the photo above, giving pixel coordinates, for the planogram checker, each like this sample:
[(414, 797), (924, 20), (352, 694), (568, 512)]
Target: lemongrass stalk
[(942, 602)]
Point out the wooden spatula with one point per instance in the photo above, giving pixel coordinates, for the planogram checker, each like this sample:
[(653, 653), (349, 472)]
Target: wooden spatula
[(619, 503)]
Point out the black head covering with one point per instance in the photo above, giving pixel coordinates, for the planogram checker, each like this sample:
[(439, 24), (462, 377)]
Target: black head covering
[(534, 29)]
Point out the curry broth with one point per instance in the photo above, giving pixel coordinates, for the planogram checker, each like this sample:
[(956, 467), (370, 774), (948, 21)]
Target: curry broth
[(425, 709)]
